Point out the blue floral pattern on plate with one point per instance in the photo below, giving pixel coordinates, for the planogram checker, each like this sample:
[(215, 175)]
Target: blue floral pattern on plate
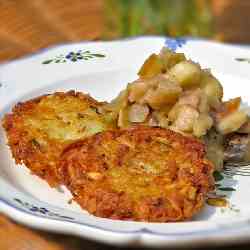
[(41, 210), (74, 57), (175, 43)]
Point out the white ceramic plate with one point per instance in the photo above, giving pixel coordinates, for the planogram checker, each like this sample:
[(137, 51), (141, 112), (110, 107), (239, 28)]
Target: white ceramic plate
[(108, 68)]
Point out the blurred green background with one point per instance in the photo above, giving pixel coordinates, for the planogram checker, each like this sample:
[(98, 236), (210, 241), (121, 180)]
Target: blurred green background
[(126, 18)]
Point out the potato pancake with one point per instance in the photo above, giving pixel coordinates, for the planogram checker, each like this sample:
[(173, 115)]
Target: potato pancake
[(39, 129), (141, 174)]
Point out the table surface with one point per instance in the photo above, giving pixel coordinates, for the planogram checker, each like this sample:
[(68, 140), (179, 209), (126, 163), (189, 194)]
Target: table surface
[(21, 35), (17, 237)]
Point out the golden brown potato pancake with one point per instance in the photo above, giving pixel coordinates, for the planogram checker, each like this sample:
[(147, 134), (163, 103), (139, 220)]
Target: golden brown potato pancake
[(142, 174), (39, 129)]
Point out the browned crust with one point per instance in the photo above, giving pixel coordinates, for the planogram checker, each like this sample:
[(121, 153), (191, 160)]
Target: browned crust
[(186, 168), (41, 162)]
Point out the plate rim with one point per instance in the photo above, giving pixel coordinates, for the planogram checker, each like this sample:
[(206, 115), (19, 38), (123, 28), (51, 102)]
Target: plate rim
[(140, 234), (132, 238), (131, 38)]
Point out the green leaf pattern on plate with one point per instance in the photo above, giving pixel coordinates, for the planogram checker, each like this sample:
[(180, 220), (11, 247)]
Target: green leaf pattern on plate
[(73, 57), (218, 177), (243, 59)]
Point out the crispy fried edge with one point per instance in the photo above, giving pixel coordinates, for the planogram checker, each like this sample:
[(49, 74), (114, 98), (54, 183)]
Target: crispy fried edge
[(20, 149), (189, 144)]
